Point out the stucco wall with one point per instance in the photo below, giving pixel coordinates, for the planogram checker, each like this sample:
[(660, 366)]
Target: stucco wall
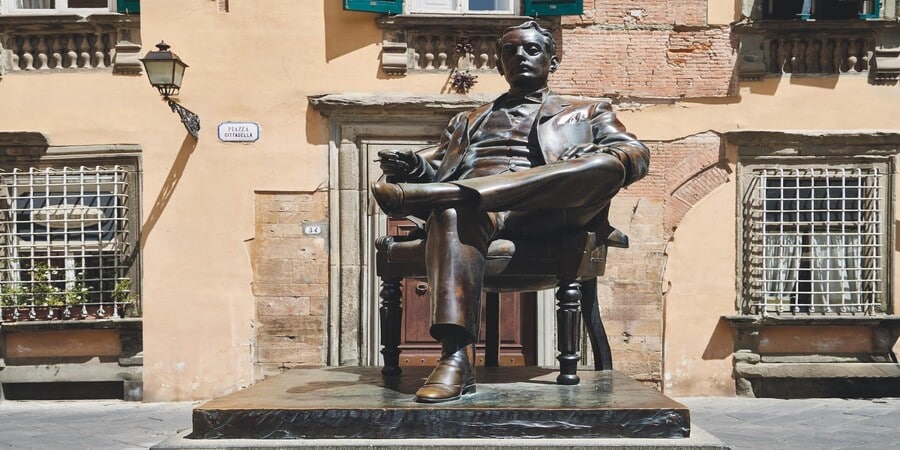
[(700, 289)]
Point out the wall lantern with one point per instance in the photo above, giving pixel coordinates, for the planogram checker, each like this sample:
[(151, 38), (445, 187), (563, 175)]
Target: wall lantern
[(166, 72)]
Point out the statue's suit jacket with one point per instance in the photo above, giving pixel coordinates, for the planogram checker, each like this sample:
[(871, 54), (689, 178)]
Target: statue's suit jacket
[(563, 122)]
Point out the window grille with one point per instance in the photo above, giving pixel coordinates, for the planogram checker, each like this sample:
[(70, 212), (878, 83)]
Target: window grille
[(815, 240), (65, 239)]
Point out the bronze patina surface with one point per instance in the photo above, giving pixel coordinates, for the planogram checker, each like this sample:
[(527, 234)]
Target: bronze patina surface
[(521, 402)]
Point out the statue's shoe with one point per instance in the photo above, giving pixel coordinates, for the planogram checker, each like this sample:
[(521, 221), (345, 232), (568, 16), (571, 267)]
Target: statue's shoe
[(389, 197), (453, 377), (404, 199)]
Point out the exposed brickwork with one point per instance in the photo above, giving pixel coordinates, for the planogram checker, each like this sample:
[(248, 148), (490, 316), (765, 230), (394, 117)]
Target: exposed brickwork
[(290, 280), (640, 12), (647, 63), (631, 294)]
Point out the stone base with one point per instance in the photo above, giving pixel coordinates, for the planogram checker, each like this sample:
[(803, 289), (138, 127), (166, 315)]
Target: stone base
[(699, 440), (511, 403)]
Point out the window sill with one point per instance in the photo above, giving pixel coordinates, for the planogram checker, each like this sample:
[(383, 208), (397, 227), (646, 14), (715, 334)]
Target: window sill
[(469, 20), (752, 321), (93, 324)]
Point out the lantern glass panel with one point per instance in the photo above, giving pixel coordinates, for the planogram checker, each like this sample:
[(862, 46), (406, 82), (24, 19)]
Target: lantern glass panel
[(160, 72)]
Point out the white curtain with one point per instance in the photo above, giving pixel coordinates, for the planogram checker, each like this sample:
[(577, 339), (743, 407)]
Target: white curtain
[(781, 256), (836, 269), (35, 4)]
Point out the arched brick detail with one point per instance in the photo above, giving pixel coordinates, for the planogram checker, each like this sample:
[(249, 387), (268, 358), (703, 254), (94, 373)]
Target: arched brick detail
[(685, 170)]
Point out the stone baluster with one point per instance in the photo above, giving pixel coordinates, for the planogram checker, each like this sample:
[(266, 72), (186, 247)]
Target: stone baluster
[(798, 56), (812, 56), (84, 56), (71, 55), (42, 54), (27, 54), (785, 50), (99, 53), (56, 59), (441, 45), (429, 54), (484, 51), (825, 59), (840, 56), (13, 45)]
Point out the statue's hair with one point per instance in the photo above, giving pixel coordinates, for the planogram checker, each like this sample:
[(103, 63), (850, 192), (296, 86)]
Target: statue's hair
[(551, 43)]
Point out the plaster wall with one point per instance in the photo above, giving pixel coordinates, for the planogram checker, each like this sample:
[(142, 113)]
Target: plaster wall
[(699, 290), (258, 63), (722, 12)]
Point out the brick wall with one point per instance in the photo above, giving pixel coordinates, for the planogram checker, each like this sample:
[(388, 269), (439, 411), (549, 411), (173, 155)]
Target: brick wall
[(290, 280), (644, 12), (682, 172), (645, 49)]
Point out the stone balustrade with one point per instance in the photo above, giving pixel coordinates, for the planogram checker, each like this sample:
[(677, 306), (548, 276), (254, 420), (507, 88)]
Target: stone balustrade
[(55, 43), (817, 54)]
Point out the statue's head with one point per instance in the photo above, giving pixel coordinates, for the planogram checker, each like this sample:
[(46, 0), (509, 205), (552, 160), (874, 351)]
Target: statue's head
[(526, 56)]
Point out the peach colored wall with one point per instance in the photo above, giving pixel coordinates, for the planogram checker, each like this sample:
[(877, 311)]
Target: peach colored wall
[(722, 12), (696, 343), (700, 279), (257, 63)]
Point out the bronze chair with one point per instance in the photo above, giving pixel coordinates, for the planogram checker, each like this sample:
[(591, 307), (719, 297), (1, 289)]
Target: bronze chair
[(570, 262)]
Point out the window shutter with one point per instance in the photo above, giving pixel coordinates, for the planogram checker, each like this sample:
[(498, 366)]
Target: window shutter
[(553, 7), (381, 6), (129, 6)]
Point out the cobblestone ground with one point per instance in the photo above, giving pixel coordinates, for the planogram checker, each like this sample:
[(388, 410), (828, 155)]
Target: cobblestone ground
[(799, 424), (89, 424), (739, 422)]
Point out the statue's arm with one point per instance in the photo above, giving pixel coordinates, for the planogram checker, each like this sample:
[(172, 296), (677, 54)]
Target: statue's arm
[(610, 137)]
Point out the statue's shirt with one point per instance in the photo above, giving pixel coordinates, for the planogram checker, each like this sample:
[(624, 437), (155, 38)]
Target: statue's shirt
[(500, 144)]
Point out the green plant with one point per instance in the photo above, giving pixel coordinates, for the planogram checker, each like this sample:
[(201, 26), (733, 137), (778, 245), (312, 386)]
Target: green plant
[(43, 292), (13, 295), (78, 293), (122, 291)]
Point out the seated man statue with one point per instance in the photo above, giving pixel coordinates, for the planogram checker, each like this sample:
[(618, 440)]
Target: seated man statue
[(532, 163)]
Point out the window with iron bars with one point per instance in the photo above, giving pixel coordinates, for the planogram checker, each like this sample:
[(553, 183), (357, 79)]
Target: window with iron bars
[(814, 239), (67, 240)]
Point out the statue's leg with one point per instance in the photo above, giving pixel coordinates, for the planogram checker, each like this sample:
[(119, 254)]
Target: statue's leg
[(575, 183), (455, 256), (568, 322), (391, 314)]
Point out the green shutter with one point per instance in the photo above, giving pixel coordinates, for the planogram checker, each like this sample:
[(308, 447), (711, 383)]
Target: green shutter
[(876, 11), (381, 6), (129, 6), (553, 7)]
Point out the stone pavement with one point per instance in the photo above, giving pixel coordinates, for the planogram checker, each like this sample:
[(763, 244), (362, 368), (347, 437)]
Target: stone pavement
[(739, 422)]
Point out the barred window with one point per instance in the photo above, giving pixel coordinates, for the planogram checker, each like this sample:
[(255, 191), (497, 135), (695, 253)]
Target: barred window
[(66, 239), (814, 239)]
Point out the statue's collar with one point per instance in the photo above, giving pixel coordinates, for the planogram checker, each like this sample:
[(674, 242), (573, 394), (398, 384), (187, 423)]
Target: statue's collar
[(509, 99)]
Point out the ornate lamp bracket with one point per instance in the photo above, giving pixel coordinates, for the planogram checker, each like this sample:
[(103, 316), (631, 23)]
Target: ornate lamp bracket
[(190, 119)]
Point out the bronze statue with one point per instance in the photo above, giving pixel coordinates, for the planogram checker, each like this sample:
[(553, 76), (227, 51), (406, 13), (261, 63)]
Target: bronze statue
[(531, 163)]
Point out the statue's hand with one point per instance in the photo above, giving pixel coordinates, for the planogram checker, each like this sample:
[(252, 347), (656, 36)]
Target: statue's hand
[(576, 151), (398, 165)]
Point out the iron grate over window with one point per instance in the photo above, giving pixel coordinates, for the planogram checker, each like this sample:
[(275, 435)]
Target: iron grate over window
[(65, 240), (815, 240)]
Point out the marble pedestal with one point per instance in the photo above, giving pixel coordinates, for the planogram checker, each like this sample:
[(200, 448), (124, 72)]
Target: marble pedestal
[(510, 403)]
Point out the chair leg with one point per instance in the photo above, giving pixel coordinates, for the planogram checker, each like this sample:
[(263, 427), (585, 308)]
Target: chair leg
[(492, 331), (391, 314), (568, 322), (590, 311)]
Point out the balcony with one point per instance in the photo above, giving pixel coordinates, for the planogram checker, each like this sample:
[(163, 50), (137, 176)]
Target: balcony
[(778, 48), (33, 44)]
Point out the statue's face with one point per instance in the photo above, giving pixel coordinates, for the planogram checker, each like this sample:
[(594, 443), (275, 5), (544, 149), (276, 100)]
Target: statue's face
[(525, 60)]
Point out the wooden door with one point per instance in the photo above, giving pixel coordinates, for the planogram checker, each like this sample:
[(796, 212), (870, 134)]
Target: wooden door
[(518, 327)]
